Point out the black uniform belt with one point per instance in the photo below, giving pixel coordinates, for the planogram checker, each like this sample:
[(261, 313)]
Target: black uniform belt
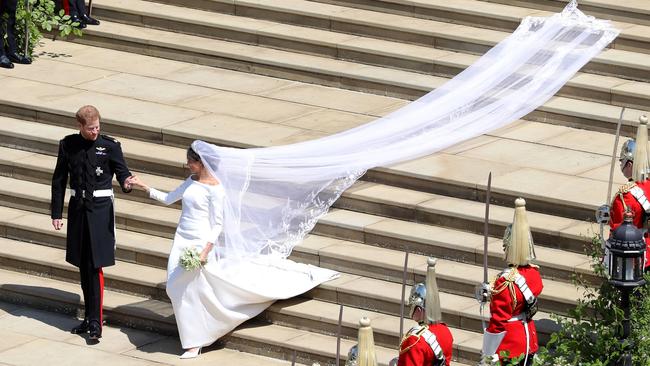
[(96, 193)]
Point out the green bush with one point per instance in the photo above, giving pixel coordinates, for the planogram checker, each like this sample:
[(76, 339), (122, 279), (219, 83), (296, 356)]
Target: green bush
[(589, 336), (41, 18)]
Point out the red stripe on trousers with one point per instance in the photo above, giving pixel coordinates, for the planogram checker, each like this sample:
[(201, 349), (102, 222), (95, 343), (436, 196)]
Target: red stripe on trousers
[(101, 296)]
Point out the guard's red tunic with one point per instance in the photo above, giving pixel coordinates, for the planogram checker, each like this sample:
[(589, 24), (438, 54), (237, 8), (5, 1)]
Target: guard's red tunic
[(503, 308), (415, 351), (625, 197)]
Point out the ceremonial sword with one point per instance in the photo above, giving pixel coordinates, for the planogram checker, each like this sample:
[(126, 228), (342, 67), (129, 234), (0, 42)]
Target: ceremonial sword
[(402, 303), (485, 287), (602, 215)]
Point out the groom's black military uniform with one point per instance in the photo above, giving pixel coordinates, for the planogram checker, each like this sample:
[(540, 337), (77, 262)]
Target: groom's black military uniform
[(91, 222)]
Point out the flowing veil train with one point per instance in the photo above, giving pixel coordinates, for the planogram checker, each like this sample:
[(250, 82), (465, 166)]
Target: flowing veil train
[(275, 195)]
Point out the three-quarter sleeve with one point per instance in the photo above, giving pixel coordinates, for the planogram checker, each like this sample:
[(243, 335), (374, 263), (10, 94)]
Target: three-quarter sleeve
[(171, 197)]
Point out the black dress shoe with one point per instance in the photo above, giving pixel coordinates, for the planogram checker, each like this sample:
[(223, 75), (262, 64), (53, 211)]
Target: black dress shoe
[(89, 20), (76, 19), (95, 330), (81, 328), (5, 62), (16, 58)]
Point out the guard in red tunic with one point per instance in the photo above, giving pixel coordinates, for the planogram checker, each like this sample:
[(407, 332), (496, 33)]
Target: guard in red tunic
[(511, 333), (633, 196), (430, 342)]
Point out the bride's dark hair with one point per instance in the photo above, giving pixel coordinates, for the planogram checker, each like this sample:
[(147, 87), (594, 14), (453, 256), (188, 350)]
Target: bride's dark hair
[(192, 155)]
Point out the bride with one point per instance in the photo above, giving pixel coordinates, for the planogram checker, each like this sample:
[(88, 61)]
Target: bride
[(226, 291)]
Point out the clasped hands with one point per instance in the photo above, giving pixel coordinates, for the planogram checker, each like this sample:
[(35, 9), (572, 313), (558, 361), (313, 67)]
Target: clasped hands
[(134, 180)]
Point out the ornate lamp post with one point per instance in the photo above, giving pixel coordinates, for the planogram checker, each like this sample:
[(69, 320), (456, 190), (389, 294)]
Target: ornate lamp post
[(626, 259)]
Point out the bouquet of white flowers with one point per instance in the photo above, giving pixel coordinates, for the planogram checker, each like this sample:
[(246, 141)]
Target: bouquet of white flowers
[(190, 259)]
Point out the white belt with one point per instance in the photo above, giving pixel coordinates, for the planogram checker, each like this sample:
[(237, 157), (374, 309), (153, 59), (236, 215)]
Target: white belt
[(96, 193), (518, 318)]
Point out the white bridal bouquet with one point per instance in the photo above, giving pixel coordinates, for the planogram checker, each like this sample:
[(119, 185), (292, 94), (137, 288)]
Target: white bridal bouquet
[(190, 259)]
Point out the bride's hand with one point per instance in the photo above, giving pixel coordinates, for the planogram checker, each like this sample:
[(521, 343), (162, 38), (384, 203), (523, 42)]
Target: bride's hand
[(205, 252), (136, 181)]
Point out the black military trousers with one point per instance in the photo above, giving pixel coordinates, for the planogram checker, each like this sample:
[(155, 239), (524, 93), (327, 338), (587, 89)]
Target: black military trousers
[(8, 7), (92, 279), (77, 7)]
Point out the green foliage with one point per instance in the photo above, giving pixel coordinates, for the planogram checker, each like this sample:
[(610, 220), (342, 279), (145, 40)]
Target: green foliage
[(590, 335), (41, 17)]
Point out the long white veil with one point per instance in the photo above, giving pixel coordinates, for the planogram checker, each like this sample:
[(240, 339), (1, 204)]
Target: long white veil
[(275, 195)]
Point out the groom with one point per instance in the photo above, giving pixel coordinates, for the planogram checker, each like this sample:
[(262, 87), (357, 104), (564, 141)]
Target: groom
[(90, 160)]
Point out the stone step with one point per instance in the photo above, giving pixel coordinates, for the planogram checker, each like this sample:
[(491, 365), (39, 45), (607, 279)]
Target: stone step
[(454, 245), (365, 294), (326, 43), (464, 215), (577, 198), (583, 185), (491, 15), (344, 256), (406, 29), (255, 337), (342, 224), (364, 228), (367, 197), (337, 73), (44, 139), (633, 11), (314, 314)]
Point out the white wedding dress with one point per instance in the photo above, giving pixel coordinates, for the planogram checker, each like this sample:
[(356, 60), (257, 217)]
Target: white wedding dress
[(211, 301)]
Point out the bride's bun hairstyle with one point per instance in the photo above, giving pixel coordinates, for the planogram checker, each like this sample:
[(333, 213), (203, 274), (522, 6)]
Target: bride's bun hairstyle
[(192, 155)]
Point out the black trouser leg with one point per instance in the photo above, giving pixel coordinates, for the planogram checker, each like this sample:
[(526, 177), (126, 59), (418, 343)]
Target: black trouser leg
[(91, 280), (77, 8), (9, 7), (3, 9)]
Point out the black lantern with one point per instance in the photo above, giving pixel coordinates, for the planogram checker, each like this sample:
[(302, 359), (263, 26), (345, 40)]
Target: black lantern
[(626, 261), (626, 248)]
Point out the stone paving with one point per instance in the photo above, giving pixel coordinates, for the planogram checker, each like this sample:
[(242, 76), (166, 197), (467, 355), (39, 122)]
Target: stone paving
[(36, 337)]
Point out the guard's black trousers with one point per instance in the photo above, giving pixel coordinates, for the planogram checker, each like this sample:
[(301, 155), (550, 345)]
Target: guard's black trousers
[(8, 7), (77, 7), (92, 279)]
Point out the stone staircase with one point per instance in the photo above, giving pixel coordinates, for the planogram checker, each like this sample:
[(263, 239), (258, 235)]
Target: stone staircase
[(165, 73)]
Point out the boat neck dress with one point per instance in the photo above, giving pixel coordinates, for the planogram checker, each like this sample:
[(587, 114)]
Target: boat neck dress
[(211, 301)]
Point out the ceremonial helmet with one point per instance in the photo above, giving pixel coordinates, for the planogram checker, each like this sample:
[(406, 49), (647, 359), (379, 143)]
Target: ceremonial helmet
[(353, 356), (627, 151), (641, 159), (363, 353), (426, 295), (518, 240)]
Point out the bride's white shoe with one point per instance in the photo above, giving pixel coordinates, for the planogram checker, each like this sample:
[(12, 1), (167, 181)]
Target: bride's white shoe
[(191, 353)]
